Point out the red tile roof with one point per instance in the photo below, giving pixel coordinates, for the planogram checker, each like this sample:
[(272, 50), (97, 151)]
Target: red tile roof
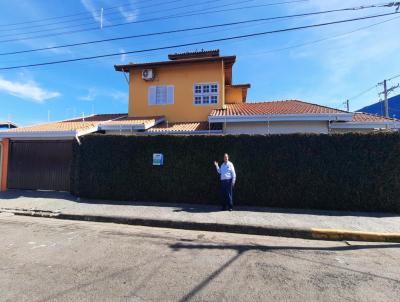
[(77, 124), (151, 120), (370, 118), (183, 127), (274, 107), (98, 117)]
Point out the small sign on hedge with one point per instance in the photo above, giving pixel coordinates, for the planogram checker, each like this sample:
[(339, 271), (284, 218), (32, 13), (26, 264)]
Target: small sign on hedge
[(158, 159)]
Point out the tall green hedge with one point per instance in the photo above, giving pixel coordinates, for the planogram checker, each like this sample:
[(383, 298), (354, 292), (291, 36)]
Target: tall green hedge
[(335, 172)]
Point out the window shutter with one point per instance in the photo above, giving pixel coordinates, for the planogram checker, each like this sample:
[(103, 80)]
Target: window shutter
[(170, 94), (152, 95)]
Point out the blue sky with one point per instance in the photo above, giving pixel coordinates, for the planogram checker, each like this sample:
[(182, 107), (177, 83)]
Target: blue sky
[(327, 73)]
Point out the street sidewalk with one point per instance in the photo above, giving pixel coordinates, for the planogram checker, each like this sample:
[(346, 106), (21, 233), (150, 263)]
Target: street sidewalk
[(308, 224)]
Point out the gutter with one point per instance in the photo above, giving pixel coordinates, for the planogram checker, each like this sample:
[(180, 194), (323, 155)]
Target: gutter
[(186, 132), (359, 125)]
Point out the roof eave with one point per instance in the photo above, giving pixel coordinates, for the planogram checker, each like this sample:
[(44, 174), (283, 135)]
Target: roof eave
[(247, 85), (48, 134), (39, 134), (127, 127), (127, 67), (280, 118)]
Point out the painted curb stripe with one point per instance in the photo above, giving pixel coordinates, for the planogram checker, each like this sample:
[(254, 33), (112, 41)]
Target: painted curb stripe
[(337, 234)]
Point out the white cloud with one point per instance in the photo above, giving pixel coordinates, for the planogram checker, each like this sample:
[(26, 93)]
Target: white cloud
[(90, 96), (28, 90), (119, 96), (89, 5), (123, 55), (127, 11), (350, 56), (129, 14), (94, 93)]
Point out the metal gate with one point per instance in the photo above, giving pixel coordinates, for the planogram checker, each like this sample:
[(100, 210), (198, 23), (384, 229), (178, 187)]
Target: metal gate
[(40, 165)]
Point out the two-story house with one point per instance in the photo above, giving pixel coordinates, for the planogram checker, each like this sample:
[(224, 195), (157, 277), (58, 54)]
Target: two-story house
[(194, 93), (183, 91)]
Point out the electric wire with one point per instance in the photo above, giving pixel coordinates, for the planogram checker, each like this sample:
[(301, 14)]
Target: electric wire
[(200, 42)]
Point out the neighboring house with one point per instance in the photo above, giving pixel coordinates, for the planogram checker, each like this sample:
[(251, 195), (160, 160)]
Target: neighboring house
[(278, 117), (379, 108), (7, 125), (365, 123), (191, 93), (40, 156), (4, 126)]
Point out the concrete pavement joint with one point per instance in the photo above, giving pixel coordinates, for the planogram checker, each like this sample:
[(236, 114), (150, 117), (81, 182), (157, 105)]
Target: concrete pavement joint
[(302, 233)]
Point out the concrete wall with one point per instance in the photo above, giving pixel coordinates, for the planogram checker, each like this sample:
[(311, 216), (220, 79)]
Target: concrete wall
[(183, 77), (318, 127)]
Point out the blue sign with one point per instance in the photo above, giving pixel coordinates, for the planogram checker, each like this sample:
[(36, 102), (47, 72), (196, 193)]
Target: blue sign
[(158, 159)]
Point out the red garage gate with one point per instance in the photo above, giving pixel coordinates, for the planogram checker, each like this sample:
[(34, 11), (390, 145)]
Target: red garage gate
[(40, 165)]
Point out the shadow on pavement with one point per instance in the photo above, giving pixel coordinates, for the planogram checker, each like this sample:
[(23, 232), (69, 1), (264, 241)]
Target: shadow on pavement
[(15, 194), (264, 248), (188, 207), (242, 249)]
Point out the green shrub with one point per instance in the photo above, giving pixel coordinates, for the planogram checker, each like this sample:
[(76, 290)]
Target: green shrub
[(335, 172)]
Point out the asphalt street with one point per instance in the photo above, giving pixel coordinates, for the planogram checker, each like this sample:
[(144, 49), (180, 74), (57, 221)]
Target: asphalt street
[(54, 260)]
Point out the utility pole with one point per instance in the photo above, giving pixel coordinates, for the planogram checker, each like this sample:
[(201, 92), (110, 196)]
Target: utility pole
[(348, 105), (385, 93)]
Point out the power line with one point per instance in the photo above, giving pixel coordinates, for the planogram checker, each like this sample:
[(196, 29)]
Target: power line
[(372, 87), (84, 13), (321, 40), (88, 23), (181, 15), (384, 105), (394, 77), (178, 31), (363, 92), (390, 4), (200, 42), (113, 13)]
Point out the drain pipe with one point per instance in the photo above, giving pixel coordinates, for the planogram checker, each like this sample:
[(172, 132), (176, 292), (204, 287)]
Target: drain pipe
[(78, 140)]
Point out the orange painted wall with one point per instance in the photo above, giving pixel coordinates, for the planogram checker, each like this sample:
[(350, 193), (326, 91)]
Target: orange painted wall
[(183, 77), (4, 164), (233, 95)]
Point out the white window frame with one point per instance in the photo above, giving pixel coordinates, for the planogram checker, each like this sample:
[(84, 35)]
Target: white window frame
[(169, 95), (205, 95)]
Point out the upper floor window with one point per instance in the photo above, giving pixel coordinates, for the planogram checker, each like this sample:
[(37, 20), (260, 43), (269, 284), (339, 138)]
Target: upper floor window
[(205, 94), (161, 95)]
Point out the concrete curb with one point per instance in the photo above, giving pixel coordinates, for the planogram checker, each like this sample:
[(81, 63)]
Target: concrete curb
[(312, 233)]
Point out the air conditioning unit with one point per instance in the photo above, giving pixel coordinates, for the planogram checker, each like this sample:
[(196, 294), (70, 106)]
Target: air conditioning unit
[(147, 74)]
